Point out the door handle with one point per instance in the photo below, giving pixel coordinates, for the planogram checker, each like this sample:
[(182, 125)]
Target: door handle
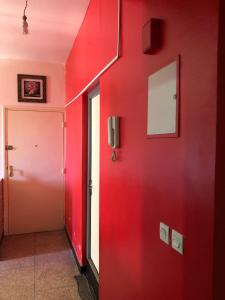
[(10, 170), (90, 184)]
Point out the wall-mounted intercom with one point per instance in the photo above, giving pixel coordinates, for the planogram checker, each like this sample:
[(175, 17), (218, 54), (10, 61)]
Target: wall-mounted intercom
[(113, 132)]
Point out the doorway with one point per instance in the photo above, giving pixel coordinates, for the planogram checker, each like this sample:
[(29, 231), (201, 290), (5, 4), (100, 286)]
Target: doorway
[(93, 186), (35, 166)]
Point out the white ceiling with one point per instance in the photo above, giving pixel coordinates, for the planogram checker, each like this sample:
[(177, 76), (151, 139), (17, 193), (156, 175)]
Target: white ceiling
[(53, 25)]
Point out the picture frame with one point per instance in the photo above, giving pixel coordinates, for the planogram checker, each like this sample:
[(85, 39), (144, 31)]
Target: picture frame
[(31, 88)]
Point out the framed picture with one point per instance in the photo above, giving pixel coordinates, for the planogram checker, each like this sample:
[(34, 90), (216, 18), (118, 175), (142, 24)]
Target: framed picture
[(31, 88)]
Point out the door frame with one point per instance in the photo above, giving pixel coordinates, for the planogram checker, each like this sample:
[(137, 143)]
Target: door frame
[(5, 153), (92, 273)]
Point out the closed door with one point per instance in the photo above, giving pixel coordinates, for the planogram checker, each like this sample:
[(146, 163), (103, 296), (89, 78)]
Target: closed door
[(94, 163), (35, 171)]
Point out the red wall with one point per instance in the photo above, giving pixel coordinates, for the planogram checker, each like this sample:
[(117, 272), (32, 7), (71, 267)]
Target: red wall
[(95, 45), (170, 179), (219, 241), (76, 157)]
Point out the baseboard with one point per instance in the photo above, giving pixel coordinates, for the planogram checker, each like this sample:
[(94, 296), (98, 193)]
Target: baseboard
[(92, 280), (86, 270), (82, 269)]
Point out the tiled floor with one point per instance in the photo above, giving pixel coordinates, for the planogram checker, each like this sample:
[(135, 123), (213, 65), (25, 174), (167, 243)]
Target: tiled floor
[(37, 266)]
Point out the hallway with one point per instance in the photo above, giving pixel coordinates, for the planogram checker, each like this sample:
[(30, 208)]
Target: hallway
[(37, 266)]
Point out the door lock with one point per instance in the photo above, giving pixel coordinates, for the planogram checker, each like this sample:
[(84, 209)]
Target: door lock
[(9, 147)]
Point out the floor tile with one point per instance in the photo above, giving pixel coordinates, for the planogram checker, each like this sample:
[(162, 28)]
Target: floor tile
[(65, 293), (18, 246), (15, 283), (61, 258), (24, 295), (49, 276), (16, 263), (54, 263), (37, 266), (49, 242), (17, 252)]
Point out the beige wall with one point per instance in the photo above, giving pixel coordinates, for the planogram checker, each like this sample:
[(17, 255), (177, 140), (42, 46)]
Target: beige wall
[(8, 86)]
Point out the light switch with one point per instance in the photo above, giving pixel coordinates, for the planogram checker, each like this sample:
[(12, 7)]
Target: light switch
[(177, 242), (164, 233)]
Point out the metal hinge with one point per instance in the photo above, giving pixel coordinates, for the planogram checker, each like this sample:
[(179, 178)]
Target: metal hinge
[(63, 124)]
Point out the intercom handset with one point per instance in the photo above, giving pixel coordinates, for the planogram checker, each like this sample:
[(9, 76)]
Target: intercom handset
[(113, 132)]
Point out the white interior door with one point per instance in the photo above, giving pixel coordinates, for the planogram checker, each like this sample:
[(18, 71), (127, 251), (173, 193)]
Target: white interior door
[(95, 162), (35, 171)]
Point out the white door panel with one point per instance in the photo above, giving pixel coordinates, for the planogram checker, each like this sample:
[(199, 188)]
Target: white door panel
[(95, 162)]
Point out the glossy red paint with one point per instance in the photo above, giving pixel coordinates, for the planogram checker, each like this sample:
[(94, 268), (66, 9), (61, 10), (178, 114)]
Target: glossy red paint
[(171, 179), (98, 36), (219, 244), (76, 157)]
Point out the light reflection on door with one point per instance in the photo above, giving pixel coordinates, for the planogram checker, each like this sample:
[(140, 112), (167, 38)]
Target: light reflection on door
[(94, 163)]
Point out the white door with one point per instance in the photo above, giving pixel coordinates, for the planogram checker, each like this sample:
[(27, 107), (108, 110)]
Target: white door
[(35, 171), (94, 178)]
